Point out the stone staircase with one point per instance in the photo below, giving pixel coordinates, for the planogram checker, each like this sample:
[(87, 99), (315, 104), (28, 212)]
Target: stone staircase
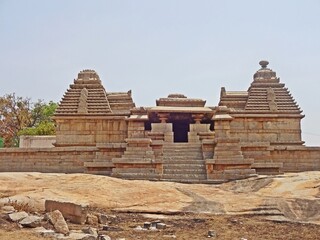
[(183, 162)]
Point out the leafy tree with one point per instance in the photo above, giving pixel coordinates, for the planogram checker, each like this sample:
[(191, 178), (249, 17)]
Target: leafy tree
[(19, 116), (14, 115)]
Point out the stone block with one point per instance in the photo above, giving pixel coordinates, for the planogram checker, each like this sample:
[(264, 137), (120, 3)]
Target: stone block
[(161, 127), (199, 128), (17, 216), (76, 213), (31, 221), (92, 219)]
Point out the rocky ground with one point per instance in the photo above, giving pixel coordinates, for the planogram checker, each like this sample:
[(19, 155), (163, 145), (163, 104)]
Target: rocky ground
[(280, 207)]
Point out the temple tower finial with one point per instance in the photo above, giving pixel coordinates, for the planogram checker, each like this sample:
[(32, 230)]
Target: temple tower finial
[(263, 63)]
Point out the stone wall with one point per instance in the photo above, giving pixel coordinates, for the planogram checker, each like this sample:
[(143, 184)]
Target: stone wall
[(297, 159), (89, 132), (266, 129), (290, 158), (59, 159), (37, 141)]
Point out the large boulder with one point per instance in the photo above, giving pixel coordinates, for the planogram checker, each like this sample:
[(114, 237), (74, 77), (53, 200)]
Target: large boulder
[(75, 213)]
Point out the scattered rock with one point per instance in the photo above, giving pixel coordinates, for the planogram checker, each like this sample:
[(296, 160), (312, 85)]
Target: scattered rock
[(79, 235), (104, 237), (91, 231), (45, 232), (139, 228), (111, 228), (57, 220), (234, 221), (212, 233), (170, 236), (105, 227), (31, 221), (153, 228), (155, 222), (146, 225), (7, 209), (92, 219), (161, 225), (199, 220), (17, 216), (103, 219)]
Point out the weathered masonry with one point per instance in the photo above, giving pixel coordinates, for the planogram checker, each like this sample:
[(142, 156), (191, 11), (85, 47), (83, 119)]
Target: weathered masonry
[(181, 139)]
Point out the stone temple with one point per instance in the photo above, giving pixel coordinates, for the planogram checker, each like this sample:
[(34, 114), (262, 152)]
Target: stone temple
[(257, 131)]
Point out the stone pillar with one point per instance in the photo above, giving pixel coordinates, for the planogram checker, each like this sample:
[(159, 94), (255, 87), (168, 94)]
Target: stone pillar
[(196, 130), (163, 129), (197, 117), (163, 117)]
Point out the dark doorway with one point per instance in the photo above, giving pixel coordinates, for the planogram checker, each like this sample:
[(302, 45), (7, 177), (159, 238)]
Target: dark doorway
[(180, 131)]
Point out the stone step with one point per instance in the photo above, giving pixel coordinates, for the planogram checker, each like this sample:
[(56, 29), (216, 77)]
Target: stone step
[(193, 148), (184, 176), (198, 181), (133, 170), (187, 165), (185, 171), (99, 172), (137, 176), (183, 161), (181, 158)]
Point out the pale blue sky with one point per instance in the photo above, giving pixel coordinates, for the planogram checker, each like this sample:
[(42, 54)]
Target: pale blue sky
[(159, 47)]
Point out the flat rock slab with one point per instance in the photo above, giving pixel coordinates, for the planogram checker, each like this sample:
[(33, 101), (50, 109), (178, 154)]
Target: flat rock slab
[(80, 236), (31, 221), (17, 216), (45, 232)]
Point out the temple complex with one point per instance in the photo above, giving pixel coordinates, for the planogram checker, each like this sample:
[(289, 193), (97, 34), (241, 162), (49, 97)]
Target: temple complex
[(181, 139)]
